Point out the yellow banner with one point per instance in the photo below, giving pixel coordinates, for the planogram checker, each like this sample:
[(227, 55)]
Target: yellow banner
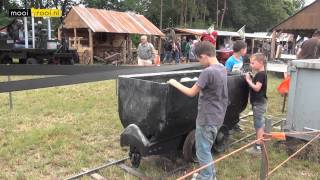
[(46, 12)]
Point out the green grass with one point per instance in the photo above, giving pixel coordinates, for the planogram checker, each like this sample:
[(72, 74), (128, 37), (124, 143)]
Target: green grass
[(56, 132)]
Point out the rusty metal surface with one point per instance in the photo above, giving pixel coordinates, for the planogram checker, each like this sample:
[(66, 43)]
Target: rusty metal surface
[(191, 31), (101, 20), (305, 19), (198, 32)]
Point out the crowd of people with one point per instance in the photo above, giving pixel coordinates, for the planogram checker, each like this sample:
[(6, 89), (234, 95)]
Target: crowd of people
[(174, 51), (177, 51)]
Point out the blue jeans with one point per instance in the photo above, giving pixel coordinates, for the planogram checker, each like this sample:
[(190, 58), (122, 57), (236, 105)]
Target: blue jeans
[(167, 56), (205, 137), (176, 56)]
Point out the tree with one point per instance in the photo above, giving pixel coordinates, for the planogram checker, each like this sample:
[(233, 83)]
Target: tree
[(223, 13), (4, 11), (256, 15)]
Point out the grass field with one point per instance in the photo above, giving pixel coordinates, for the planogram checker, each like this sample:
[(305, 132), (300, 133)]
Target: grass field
[(54, 132)]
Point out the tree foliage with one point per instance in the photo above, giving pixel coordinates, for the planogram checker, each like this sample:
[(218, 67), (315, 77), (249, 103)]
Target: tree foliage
[(232, 14)]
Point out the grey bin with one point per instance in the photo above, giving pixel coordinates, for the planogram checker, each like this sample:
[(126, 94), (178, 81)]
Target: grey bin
[(304, 96)]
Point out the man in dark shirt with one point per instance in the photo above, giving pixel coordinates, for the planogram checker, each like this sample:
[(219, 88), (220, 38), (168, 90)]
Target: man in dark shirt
[(167, 51), (258, 96), (212, 104)]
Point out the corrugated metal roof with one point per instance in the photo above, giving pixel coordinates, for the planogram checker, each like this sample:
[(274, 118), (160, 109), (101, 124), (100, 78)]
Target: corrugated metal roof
[(305, 19), (259, 35), (3, 29), (101, 20), (200, 31)]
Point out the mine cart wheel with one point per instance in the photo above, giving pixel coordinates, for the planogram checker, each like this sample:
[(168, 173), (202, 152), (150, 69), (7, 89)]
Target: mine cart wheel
[(135, 158), (71, 61), (221, 142), (5, 59), (189, 147), (32, 61)]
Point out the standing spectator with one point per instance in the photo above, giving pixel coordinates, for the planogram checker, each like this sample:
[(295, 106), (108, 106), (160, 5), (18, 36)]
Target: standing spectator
[(145, 52), (235, 62), (310, 49), (188, 48), (212, 105), (167, 50), (192, 57), (266, 48), (176, 51), (258, 97), (285, 48), (184, 43), (290, 47)]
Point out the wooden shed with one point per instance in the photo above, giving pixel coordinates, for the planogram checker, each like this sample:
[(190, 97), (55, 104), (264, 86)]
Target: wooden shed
[(104, 34), (302, 23)]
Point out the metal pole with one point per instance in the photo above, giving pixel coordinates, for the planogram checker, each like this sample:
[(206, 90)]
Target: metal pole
[(10, 96), (284, 102), (264, 168), (161, 5), (33, 34), (49, 29), (117, 87), (217, 19), (25, 32), (26, 43)]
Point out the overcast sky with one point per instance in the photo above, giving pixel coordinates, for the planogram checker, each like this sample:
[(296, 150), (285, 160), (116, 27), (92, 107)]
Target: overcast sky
[(309, 1)]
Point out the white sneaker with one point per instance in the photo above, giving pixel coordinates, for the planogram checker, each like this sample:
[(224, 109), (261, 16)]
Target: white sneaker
[(194, 177), (255, 150)]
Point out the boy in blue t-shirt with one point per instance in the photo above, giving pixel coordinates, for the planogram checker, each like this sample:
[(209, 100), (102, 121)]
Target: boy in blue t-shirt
[(234, 62)]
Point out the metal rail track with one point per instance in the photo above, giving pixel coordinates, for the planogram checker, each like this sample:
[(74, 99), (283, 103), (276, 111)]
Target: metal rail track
[(93, 170), (120, 163)]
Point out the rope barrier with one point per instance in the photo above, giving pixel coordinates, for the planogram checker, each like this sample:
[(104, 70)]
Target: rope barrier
[(301, 133), (217, 160), (273, 135), (290, 157), (250, 135)]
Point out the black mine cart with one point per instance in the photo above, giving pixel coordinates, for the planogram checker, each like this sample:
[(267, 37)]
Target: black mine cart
[(159, 120)]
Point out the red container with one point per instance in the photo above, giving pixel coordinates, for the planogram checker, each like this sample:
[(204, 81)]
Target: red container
[(223, 55)]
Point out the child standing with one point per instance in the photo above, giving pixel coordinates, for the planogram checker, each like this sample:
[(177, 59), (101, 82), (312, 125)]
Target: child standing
[(234, 62), (258, 96), (212, 104)]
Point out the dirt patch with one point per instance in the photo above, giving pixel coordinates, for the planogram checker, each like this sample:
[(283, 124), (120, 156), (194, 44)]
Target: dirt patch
[(310, 153)]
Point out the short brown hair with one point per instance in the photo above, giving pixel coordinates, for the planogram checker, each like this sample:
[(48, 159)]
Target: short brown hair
[(205, 47), (316, 33), (238, 45), (260, 58)]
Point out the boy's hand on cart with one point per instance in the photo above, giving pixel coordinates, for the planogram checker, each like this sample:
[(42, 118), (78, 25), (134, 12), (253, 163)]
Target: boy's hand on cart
[(248, 77), (173, 82)]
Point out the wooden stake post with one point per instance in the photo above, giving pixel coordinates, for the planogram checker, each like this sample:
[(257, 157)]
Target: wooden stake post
[(91, 46), (264, 158), (273, 45)]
